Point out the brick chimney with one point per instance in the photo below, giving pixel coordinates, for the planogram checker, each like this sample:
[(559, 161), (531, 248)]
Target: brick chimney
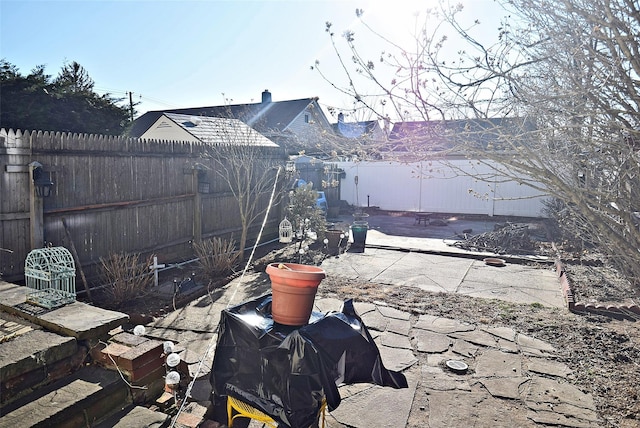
[(266, 96)]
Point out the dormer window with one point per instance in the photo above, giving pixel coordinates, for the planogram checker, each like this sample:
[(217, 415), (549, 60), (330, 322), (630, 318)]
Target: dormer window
[(306, 118)]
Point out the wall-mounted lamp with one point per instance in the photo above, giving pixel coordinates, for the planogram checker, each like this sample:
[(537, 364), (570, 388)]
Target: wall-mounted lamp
[(203, 186), (41, 180)]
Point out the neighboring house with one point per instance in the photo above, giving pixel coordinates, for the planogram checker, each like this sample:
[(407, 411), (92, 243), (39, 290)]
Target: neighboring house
[(210, 130), (359, 136), (416, 139), (295, 125)]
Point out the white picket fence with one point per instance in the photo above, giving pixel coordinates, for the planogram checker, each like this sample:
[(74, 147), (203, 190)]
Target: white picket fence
[(455, 186)]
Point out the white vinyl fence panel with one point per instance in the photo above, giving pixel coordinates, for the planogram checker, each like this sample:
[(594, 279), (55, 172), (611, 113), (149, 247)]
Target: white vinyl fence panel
[(438, 186)]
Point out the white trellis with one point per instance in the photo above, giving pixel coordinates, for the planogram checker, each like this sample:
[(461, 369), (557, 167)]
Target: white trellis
[(50, 274)]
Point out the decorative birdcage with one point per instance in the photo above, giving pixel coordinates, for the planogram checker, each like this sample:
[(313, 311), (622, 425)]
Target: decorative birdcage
[(286, 231), (50, 274)]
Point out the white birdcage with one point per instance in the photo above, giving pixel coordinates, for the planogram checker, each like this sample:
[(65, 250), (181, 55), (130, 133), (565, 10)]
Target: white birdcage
[(286, 231), (50, 275)]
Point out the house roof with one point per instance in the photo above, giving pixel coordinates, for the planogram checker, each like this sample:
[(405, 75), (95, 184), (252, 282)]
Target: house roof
[(445, 135), (217, 130), (265, 117), (355, 129)]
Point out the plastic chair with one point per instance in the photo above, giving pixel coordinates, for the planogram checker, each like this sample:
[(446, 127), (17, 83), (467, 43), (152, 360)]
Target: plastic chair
[(246, 411)]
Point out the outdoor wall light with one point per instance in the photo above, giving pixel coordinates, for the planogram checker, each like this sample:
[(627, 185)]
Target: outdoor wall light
[(203, 185), (42, 181)]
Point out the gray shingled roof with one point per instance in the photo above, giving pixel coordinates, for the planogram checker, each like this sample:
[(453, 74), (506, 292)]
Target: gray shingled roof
[(217, 130), (264, 117)]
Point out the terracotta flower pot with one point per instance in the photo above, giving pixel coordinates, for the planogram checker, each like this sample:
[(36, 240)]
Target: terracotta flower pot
[(293, 288)]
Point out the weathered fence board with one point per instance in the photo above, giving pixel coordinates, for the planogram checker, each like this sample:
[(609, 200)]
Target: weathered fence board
[(116, 194)]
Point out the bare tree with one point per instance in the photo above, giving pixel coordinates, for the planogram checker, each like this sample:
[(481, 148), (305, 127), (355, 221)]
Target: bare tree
[(247, 162), (567, 75)]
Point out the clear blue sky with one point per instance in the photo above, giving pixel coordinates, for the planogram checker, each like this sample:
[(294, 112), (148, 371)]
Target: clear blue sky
[(172, 53)]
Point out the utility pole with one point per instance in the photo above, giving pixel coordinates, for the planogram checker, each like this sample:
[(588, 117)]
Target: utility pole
[(131, 105)]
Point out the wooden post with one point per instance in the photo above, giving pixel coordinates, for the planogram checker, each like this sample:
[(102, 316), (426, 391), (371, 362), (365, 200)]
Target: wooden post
[(197, 208), (77, 259), (36, 217), (155, 268)]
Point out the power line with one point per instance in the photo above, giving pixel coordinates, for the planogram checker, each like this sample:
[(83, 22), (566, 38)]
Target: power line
[(156, 101), (138, 96)]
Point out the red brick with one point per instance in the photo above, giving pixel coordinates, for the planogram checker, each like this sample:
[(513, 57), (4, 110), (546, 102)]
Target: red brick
[(151, 374), (115, 349), (166, 400), (151, 371), (634, 308), (154, 386), (129, 339), (139, 355), (189, 420), (579, 307), (559, 269), (590, 308)]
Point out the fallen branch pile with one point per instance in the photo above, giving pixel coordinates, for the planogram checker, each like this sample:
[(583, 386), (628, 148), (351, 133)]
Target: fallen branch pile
[(508, 238)]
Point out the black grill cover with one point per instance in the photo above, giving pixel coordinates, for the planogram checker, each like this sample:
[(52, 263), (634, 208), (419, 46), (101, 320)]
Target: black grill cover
[(286, 371)]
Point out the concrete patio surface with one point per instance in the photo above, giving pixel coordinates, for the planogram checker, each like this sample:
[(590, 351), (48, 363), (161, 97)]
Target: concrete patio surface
[(432, 265), (401, 252), (513, 378)]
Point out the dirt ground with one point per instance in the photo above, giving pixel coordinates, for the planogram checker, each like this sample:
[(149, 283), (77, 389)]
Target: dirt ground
[(603, 353)]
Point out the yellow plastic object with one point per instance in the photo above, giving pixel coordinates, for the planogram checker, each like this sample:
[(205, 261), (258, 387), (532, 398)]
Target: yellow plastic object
[(246, 411)]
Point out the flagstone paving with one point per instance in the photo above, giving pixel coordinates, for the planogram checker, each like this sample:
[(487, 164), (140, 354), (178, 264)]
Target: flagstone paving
[(513, 379), (505, 386)]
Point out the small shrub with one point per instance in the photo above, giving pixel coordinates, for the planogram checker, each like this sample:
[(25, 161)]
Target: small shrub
[(217, 257), (304, 213), (125, 276), (309, 223)]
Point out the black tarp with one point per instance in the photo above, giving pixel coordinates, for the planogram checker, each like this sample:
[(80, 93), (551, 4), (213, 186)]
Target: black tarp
[(287, 371)]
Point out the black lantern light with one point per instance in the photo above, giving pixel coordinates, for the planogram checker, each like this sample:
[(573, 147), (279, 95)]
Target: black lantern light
[(42, 181), (203, 185)]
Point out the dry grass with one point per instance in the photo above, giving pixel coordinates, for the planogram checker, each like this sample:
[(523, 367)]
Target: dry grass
[(218, 257), (125, 276)]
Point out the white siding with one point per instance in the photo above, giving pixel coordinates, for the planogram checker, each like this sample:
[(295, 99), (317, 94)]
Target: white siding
[(167, 130), (437, 187)]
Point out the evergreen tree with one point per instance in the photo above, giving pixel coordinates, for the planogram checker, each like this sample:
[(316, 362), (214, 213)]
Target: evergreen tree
[(66, 103), (73, 78)]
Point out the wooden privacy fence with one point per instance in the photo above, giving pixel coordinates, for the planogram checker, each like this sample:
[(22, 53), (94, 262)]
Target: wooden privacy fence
[(112, 195)]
